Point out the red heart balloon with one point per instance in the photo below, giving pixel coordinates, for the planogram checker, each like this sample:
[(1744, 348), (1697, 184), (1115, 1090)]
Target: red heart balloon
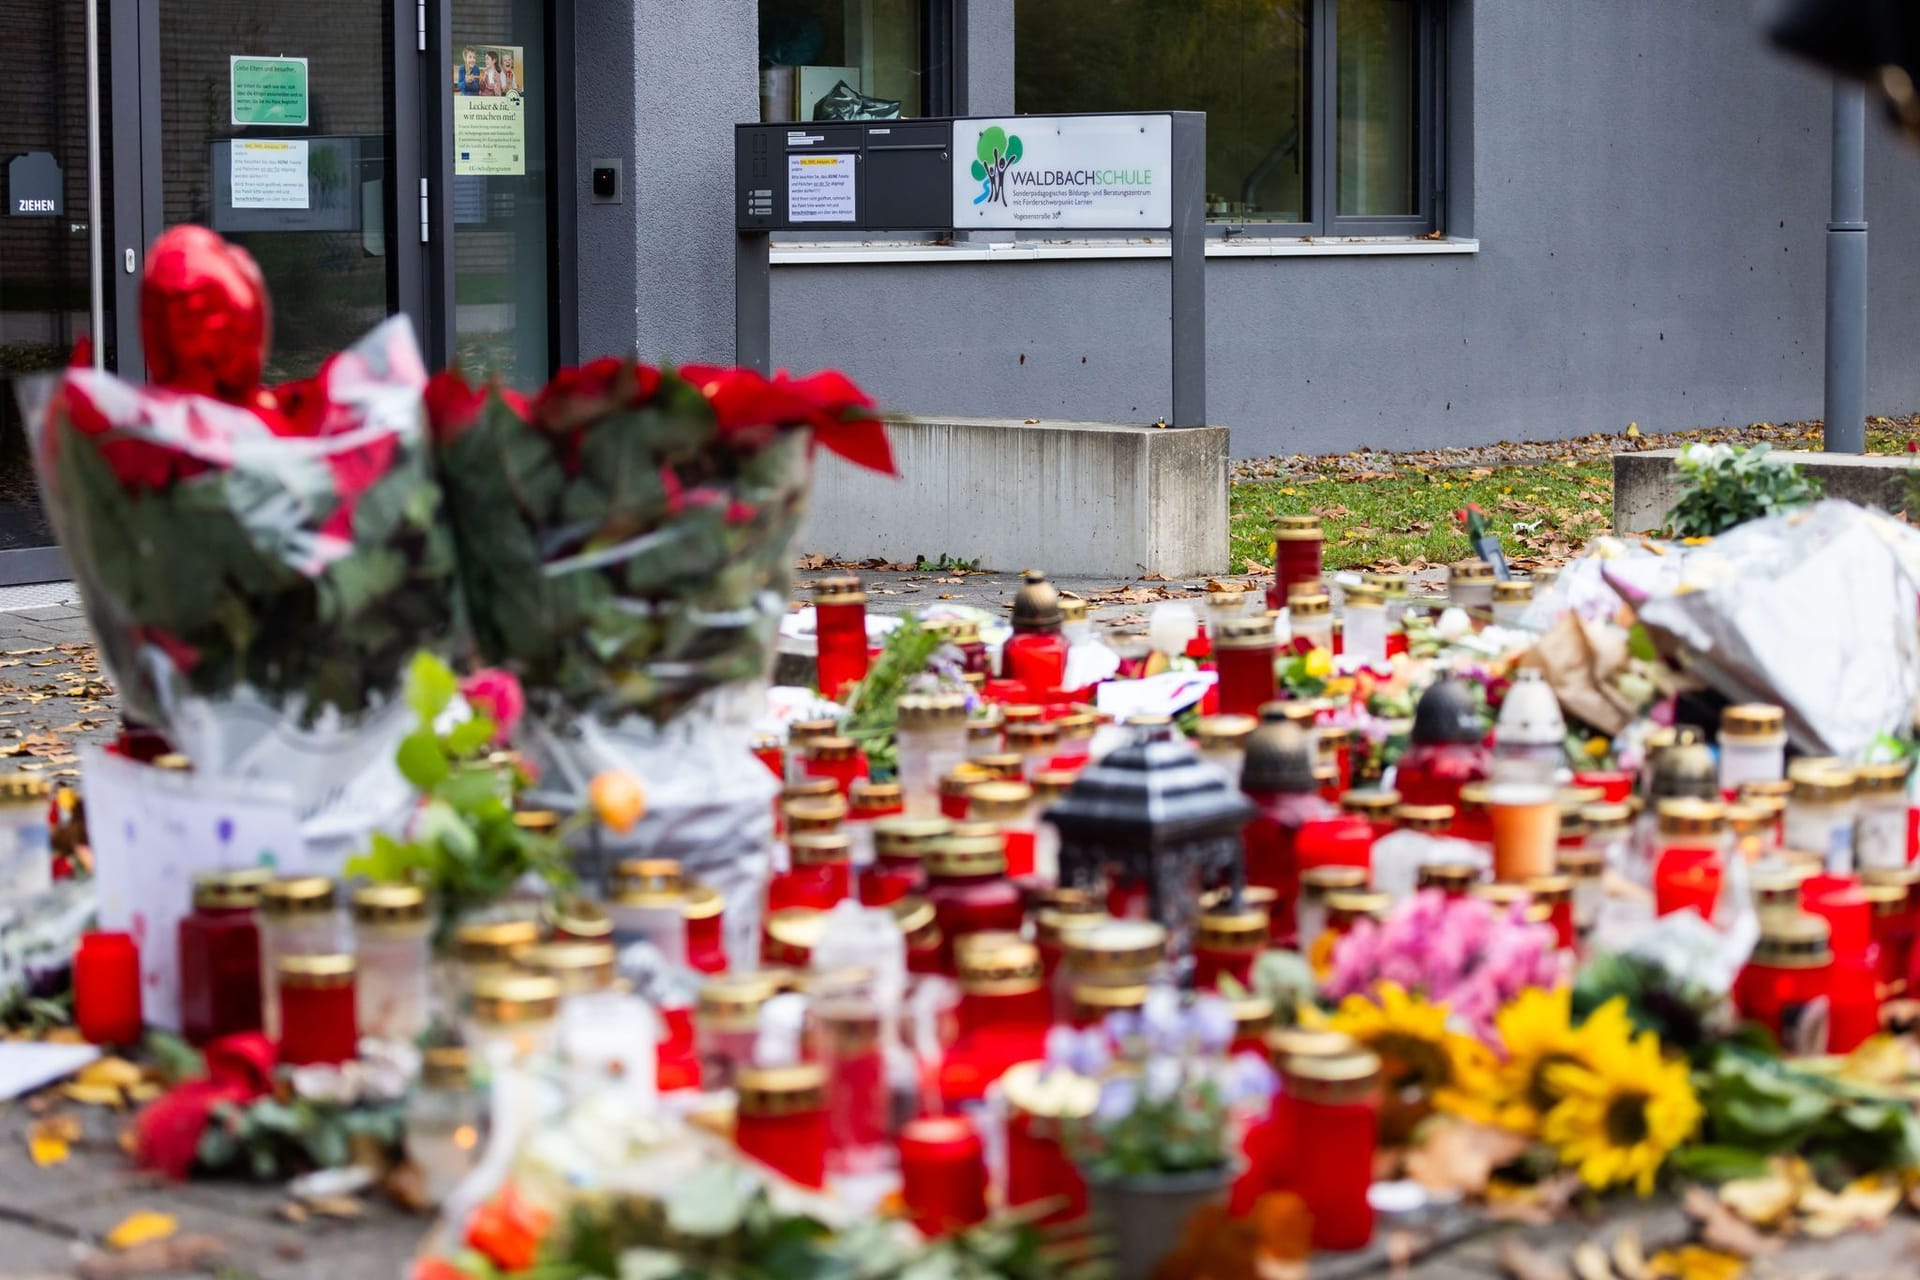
[(204, 317)]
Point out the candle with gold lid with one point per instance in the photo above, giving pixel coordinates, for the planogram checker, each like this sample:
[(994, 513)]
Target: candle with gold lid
[(299, 915), (1010, 807), (1470, 584), (840, 629), (394, 989), (1042, 1103), (1753, 744), (1880, 830), (1333, 1102), (1222, 739), (1821, 812), (1310, 617), (317, 1004), (782, 1120), (1299, 543), (1226, 943), (931, 739), (799, 735)]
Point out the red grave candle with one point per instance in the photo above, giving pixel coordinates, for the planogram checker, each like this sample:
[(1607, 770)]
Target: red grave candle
[(840, 613), (838, 759), (1555, 893), (968, 886), (1789, 973), (1686, 877), (220, 957), (1005, 1010), (782, 1121), (1298, 544), (943, 1174), (318, 1023), (1041, 1103), (705, 913), (1890, 893), (1243, 654), (1334, 1119), (858, 1103), (1226, 945), (106, 988)]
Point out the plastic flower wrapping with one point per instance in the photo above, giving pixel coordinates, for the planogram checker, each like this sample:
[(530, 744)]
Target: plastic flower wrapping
[(258, 563)]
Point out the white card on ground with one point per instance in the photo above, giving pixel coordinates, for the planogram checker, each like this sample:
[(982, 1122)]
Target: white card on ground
[(26, 1065)]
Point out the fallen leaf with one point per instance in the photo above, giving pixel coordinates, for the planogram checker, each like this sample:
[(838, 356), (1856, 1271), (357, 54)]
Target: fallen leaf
[(140, 1228), (94, 1095), (336, 1206), (50, 1139), (1523, 1262), (1766, 1201), (1628, 1257), (1401, 1247), (1723, 1229), (809, 563), (1535, 1204), (1459, 1156), (1590, 1262), (293, 1211), (406, 1185), (115, 1073), (1866, 1203), (188, 1254), (1696, 1262)]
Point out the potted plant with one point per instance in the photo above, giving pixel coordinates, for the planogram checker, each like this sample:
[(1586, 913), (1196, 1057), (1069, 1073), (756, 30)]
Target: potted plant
[(1158, 1148)]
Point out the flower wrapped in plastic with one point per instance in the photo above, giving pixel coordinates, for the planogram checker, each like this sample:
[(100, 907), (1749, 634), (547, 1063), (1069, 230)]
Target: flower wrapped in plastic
[(624, 541), (259, 564)]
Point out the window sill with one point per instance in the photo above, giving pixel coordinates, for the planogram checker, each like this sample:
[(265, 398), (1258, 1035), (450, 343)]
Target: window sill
[(803, 254)]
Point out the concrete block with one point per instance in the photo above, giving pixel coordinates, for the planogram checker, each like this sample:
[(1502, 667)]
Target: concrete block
[(1069, 497), (1645, 485)]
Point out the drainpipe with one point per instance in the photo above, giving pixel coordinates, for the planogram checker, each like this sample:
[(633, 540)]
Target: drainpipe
[(1846, 397)]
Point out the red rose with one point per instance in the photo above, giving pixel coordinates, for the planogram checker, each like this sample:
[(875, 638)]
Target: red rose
[(575, 397), (747, 408), (204, 320), (843, 420), (167, 1133), (453, 404)]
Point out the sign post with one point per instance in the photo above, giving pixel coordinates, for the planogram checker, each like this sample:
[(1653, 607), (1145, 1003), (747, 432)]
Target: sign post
[(1135, 173)]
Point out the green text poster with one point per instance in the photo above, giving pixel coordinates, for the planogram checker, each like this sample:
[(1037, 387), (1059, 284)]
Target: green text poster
[(268, 91)]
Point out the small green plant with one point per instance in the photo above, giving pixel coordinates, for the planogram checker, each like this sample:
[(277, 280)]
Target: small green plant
[(1725, 485), (948, 564), (463, 844)]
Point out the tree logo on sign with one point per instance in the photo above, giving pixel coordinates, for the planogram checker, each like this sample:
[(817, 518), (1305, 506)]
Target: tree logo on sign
[(994, 155)]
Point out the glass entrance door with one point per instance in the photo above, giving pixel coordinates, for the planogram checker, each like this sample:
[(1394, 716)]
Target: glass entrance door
[(45, 270), (277, 130)]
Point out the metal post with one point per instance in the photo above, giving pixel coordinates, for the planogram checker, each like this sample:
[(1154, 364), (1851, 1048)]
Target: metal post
[(753, 301), (1846, 407), (96, 287), (1189, 269)]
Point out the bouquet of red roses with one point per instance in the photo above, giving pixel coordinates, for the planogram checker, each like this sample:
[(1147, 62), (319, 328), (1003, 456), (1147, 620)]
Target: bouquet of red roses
[(623, 537), (280, 551)]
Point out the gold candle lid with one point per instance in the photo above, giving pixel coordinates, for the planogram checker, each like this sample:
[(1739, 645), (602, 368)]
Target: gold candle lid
[(389, 904), (1474, 797), (1224, 732), (1112, 945), (1778, 889), (1364, 595), (800, 731), (1052, 927), (731, 1001), (1375, 804), (1232, 930), (1433, 819), (822, 813), (1252, 1016), (985, 728), (1513, 591), (1886, 899), (1393, 584), (316, 971), (833, 748), (970, 849), (1449, 877), (809, 789), (1581, 864), (1247, 631), (962, 778), (1023, 713), (866, 795), (1092, 1002), (1297, 528), (1821, 781), (997, 964), (919, 711), (1769, 788), (1350, 1077), (838, 589), (539, 822), (1049, 785), (820, 848), (1253, 897), (1006, 766), (1501, 894), (916, 917), (446, 1067), (494, 942), (899, 836), (1745, 818), (1307, 1042), (1606, 819), (1683, 816), (1793, 942), (1033, 737), (1068, 901), (999, 801), (702, 902), (577, 917), (792, 933), (1752, 720), (1470, 571), (1888, 779), (1320, 882), (1551, 890), (1309, 606), (576, 966), (645, 882), (1033, 1089), (237, 890), (766, 1092), (1345, 907), (298, 895)]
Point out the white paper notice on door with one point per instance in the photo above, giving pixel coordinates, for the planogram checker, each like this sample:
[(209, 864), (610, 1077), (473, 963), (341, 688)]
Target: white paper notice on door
[(270, 173), (820, 188)]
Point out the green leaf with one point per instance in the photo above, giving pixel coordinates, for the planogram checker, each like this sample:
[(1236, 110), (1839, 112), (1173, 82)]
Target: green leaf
[(1711, 1162), (430, 686), (422, 760), (469, 736), (175, 1058)]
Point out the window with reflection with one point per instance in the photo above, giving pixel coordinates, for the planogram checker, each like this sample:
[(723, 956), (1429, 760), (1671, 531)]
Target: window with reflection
[(849, 59)]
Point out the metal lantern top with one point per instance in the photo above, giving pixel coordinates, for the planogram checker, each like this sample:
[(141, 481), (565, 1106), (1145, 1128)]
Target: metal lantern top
[(1151, 794)]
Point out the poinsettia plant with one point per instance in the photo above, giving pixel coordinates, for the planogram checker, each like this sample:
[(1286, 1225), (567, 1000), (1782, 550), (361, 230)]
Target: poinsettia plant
[(623, 535), (227, 535)]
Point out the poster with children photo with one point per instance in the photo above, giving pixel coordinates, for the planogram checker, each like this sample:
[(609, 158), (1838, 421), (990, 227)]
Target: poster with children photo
[(489, 115)]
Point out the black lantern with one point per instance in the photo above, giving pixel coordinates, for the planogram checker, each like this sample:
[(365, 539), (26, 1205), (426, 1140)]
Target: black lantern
[(1153, 812)]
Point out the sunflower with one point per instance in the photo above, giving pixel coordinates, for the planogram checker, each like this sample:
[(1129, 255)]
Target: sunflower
[(1619, 1117), (1421, 1060), (1538, 1032)]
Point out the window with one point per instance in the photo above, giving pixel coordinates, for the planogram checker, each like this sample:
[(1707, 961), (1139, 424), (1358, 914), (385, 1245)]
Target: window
[(852, 59), (1320, 113)]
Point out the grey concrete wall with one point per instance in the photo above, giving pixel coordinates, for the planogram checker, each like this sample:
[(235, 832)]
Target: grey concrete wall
[(1649, 189), (660, 84)]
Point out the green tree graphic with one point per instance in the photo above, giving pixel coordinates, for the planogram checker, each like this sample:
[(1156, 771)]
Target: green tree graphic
[(996, 152)]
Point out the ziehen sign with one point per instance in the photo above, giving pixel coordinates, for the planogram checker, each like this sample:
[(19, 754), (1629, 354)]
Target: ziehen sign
[(1084, 172), (35, 188)]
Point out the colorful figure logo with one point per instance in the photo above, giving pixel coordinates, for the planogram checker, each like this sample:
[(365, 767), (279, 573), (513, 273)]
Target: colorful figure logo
[(996, 153)]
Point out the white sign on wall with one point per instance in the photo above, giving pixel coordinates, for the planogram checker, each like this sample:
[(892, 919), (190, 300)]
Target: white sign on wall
[(1041, 172)]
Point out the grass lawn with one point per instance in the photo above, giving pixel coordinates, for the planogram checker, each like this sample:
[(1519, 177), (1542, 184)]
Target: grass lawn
[(1397, 510)]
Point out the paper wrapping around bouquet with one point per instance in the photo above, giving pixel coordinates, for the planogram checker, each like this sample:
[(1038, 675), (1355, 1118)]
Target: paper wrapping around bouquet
[(1812, 611), (709, 800)]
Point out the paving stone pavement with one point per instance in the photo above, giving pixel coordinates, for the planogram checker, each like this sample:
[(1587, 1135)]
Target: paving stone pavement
[(53, 1220)]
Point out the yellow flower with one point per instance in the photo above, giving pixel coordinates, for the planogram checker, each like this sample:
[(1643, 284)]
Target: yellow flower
[(1538, 1034), (1339, 687), (1596, 747), (1319, 664), (1619, 1116), (1409, 1034)]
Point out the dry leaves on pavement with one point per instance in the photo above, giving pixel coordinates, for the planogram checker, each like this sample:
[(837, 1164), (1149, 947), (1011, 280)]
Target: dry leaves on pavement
[(1452, 1155), (50, 1139)]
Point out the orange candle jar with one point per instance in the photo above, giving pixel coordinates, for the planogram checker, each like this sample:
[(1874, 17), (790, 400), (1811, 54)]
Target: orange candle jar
[(1525, 826)]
